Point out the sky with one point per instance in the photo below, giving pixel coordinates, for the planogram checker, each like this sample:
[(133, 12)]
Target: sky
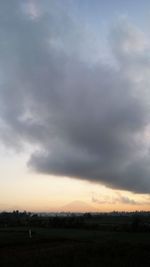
[(74, 105)]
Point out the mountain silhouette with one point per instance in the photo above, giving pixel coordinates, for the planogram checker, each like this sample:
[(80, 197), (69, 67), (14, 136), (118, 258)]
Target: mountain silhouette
[(77, 206)]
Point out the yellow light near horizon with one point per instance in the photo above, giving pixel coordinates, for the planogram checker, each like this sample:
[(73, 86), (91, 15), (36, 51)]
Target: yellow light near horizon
[(25, 190)]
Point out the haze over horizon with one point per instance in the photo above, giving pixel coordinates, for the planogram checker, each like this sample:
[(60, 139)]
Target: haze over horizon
[(74, 104)]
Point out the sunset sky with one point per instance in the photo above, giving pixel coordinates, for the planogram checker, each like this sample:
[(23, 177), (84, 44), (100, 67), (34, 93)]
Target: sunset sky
[(74, 105)]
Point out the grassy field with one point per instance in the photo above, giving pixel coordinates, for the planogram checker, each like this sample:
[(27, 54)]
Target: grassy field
[(73, 247)]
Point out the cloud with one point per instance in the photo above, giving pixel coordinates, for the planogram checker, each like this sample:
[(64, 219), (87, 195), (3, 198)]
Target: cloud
[(117, 199), (84, 119)]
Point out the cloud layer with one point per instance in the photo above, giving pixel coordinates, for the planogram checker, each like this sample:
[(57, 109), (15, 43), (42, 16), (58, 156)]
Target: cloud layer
[(86, 119), (119, 198)]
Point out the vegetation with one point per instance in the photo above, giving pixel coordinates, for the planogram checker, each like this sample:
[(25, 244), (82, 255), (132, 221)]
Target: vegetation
[(75, 240)]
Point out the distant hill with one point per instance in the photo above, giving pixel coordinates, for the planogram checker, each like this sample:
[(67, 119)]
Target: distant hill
[(76, 206)]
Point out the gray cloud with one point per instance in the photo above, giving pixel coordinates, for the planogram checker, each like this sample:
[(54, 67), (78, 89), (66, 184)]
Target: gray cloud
[(114, 200), (118, 198), (88, 120)]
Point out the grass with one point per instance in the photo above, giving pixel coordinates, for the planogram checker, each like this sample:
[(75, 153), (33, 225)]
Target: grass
[(73, 247)]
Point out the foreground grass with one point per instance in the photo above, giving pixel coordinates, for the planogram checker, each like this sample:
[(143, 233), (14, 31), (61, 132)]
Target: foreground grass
[(73, 247)]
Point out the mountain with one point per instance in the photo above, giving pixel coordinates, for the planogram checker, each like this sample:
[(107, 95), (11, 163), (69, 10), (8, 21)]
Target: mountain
[(77, 206)]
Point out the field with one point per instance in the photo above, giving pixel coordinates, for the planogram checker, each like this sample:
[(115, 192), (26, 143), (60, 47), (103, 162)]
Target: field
[(73, 247)]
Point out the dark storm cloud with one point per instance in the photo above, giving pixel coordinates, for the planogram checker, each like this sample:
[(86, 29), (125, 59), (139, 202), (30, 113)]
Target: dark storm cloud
[(88, 120)]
